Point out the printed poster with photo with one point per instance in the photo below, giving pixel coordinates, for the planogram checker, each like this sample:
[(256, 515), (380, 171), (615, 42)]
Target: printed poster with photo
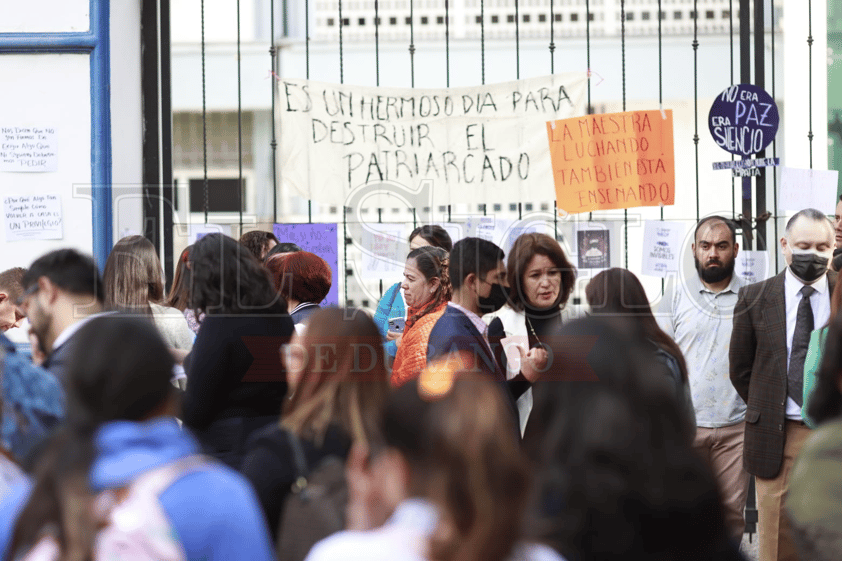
[(594, 248)]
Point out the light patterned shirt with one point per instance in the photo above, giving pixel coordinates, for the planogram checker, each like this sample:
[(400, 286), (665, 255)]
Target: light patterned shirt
[(701, 321)]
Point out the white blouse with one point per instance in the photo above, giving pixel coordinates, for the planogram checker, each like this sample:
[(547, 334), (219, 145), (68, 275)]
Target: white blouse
[(404, 536)]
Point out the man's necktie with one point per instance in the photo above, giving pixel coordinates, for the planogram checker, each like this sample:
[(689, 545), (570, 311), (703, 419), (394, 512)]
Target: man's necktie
[(800, 341)]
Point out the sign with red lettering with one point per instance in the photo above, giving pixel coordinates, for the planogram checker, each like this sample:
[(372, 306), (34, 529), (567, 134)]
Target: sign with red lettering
[(614, 160)]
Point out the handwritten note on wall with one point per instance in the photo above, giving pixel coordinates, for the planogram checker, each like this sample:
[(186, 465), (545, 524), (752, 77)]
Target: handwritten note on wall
[(808, 188), (319, 239), (28, 149), (32, 217), (615, 160), (474, 143), (384, 250)]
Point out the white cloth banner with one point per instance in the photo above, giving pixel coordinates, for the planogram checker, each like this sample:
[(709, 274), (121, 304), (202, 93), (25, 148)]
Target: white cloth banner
[(481, 144)]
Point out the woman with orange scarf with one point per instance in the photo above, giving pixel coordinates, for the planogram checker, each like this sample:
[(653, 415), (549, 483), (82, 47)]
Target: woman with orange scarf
[(427, 290)]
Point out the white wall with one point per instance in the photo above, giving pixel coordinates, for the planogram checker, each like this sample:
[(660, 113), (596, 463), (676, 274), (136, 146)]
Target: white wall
[(126, 118), (34, 102), (45, 16)]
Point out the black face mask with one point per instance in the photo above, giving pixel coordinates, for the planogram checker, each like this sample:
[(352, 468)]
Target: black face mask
[(808, 266), (495, 299)]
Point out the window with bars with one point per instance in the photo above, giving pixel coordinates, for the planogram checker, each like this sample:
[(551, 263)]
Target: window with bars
[(569, 14), (223, 195), (223, 151)]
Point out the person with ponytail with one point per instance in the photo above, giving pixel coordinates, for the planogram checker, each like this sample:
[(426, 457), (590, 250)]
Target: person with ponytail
[(121, 472), (427, 291), (391, 304)]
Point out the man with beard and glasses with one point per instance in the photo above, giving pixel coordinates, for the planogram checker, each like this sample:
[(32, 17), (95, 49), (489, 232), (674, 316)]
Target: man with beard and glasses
[(699, 317), (772, 324), (62, 291)]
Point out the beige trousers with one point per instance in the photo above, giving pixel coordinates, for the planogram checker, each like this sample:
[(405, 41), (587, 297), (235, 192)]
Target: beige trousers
[(722, 447), (775, 540)]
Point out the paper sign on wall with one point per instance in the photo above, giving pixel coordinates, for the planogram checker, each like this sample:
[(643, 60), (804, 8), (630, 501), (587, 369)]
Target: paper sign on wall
[(808, 188), (28, 149), (33, 217), (594, 248), (319, 239), (518, 228), (615, 160), (502, 232), (196, 232), (661, 247), (384, 250), (752, 266), (455, 230)]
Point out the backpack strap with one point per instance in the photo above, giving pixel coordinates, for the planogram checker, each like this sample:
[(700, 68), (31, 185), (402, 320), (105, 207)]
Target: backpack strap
[(156, 481), (300, 461)]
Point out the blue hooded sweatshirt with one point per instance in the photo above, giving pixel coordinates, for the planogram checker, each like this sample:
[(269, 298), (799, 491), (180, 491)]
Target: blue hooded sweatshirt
[(214, 511), (32, 399)]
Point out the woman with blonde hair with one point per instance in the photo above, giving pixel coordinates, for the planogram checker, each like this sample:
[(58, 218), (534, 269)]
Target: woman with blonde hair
[(427, 291), (338, 380), (450, 468)]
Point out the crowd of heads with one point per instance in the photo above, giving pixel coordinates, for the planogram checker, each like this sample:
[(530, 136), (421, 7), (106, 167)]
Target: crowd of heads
[(604, 470)]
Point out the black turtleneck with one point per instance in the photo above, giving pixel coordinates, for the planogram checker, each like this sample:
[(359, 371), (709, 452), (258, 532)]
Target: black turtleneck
[(541, 323), (544, 322)]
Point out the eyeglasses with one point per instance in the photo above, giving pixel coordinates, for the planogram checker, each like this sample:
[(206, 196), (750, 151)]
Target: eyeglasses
[(27, 293)]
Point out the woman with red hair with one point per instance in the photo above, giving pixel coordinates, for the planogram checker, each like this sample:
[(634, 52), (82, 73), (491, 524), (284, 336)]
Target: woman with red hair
[(303, 279)]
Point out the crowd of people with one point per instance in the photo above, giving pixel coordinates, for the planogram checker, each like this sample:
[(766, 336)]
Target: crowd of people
[(476, 416)]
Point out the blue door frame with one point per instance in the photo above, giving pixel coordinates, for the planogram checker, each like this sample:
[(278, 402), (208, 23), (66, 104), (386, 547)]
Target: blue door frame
[(96, 43)]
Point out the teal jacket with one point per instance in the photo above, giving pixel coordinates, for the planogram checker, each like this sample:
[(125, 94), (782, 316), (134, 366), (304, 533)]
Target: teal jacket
[(391, 306)]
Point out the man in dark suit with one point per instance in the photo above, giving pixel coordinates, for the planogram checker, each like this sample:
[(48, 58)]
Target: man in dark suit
[(478, 277), (772, 324), (62, 290)]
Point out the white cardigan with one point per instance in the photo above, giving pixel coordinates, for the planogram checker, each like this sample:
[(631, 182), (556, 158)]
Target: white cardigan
[(514, 325)]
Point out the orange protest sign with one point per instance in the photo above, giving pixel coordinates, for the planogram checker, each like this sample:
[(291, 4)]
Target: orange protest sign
[(615, 160)]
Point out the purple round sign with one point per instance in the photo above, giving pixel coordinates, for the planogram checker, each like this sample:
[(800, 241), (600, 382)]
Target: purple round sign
[(743, 119)]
